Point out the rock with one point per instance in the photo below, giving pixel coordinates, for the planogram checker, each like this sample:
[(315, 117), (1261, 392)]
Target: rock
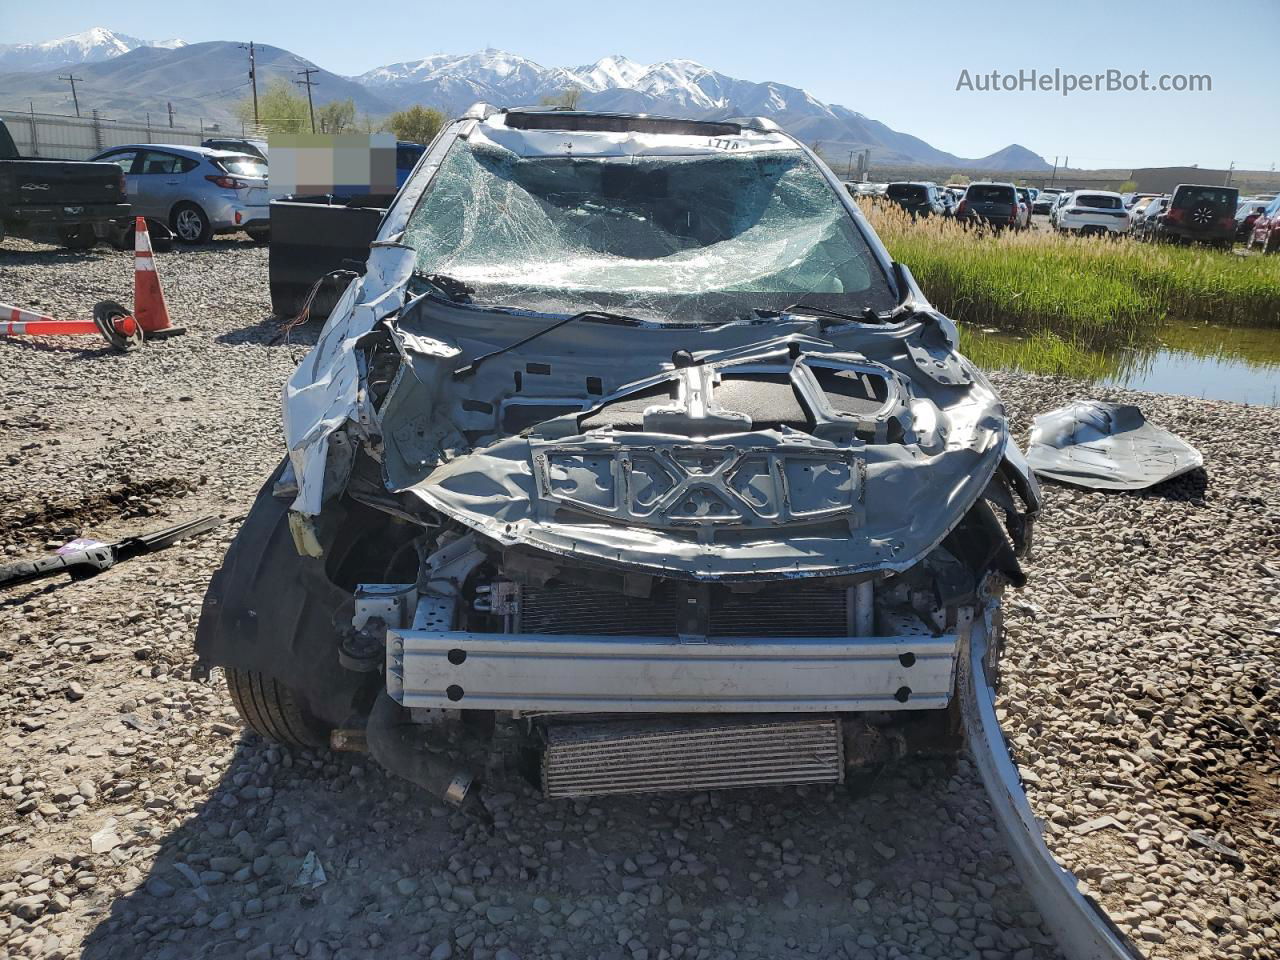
[(159, 887), (106, 839)]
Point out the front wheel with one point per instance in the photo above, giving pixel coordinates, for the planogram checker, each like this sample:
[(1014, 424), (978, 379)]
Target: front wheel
[(190, 224), (272, 710)]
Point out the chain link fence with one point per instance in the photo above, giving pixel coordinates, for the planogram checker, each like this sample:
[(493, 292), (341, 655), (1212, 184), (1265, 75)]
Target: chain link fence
[(79, 138)]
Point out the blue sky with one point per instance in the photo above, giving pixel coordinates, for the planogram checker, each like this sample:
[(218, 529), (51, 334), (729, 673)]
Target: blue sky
[(895, 62)]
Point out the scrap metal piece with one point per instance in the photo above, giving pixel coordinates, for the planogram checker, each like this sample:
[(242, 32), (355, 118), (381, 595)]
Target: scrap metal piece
[(91, 560), (1106, 446)]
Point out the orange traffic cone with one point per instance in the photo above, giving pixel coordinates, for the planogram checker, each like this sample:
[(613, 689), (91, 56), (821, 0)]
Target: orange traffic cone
[(149, 308), (119, 329)]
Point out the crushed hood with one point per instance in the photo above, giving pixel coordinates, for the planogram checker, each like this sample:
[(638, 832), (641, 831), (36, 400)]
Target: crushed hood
[(1106, 446), (744, 451)]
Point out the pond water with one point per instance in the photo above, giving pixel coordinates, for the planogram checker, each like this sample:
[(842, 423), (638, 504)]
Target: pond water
[(1218, 363)]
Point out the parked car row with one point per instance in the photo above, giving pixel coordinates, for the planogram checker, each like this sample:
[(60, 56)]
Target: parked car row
[(1192, 213), (994, 204), (185, 192)]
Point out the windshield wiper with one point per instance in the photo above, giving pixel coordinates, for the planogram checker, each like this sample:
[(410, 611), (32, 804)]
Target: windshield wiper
[(470, 368), (866, 315)]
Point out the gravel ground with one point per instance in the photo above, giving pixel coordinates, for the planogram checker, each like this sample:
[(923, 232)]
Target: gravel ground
[(136, 820)]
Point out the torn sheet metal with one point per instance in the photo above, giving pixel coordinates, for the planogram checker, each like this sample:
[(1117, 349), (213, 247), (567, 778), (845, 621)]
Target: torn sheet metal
[(1106, 446), (736, 418), (785, 456), (323, 393)]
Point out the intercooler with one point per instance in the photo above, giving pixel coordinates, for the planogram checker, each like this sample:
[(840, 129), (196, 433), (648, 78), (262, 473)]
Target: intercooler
[(658, 755)]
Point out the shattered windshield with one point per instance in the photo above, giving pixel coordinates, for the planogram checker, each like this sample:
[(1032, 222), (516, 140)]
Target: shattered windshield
[(701, 239)]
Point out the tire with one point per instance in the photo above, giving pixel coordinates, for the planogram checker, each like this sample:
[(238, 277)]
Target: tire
[(190, 224), (79, 237), (272, 617), (260, 235), (272, 710)]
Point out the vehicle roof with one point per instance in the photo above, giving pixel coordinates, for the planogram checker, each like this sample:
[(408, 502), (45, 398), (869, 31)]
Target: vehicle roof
[(573, 118), (912, 183), (992, 183), (181, 148), (540, 132), (1097, 193)]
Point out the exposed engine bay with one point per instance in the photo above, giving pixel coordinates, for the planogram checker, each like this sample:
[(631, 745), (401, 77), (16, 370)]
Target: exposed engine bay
[(737, 540)]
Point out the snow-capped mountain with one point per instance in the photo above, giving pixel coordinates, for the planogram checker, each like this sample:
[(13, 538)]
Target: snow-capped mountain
[(92, 46), (515, 79), (128, 77), (608, 72), (674, 87)]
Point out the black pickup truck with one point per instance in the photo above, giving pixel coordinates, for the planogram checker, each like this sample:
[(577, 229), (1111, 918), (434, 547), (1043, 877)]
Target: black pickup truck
[(64, 201)]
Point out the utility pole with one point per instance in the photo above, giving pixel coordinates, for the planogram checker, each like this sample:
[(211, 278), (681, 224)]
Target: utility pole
[(309, 83), (1230, 170), (1054, 176), (849, 173), (253, 80), (74, 80), (170, 106)]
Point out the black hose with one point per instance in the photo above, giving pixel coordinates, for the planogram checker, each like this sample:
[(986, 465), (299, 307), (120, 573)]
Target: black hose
[(399, 746)]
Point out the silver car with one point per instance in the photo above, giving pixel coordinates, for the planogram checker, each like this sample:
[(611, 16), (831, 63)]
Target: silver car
[(195, 191)]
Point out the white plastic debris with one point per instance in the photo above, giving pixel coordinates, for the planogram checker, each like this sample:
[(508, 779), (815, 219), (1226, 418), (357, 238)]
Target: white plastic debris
[(311, 873), (106, 839)]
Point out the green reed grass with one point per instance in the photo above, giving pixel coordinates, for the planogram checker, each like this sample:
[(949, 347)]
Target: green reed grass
[(1086, 291)]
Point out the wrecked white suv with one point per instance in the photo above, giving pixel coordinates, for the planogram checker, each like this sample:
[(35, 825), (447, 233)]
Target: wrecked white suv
[(632, 462)]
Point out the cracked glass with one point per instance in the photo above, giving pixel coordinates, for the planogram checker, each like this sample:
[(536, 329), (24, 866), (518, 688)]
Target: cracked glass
[(699, 239)]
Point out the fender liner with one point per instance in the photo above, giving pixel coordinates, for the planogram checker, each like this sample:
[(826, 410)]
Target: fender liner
[(271, 610)]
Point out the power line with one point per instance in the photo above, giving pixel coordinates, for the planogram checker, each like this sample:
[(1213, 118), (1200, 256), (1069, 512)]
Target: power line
[(309, 83), (74, 80)]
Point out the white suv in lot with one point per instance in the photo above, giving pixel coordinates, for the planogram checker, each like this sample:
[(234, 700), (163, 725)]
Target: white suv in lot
[(1093, 211)]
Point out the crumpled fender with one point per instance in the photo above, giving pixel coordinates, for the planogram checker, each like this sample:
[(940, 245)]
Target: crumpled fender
[(325, 391)]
